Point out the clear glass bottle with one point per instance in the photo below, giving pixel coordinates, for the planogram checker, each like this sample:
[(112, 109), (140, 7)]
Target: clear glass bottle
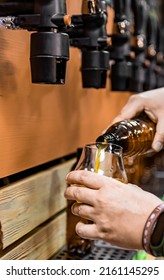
[(135, 136)]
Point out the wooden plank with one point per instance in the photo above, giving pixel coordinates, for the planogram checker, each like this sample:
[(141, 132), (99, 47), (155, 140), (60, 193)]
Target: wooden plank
[(29, 202), (40, 123), (42, 244)]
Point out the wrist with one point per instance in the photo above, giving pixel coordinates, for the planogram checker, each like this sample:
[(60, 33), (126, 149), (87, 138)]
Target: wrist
[(153, 233)]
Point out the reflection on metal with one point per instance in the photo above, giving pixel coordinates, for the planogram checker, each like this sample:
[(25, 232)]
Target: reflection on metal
[(89, 7), (8, 22)]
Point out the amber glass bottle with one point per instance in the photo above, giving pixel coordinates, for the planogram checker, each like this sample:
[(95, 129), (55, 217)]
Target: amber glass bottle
[(135, 136), (75, 244)]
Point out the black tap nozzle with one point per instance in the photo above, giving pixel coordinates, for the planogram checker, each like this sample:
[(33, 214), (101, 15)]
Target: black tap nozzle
[(138, 45), (95, 64), (49, 51), (120, 50), (49, 45), (49, 54)]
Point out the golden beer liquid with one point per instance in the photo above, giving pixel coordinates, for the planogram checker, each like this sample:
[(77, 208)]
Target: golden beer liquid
[(97, 161), (97, 164)]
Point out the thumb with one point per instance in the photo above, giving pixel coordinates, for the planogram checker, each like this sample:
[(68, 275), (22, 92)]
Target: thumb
[(158, 141)]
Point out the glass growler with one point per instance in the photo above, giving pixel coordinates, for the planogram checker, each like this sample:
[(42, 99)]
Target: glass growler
[(135, 136)]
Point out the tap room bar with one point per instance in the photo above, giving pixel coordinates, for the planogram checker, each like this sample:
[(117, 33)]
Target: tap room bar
[(67, 69)]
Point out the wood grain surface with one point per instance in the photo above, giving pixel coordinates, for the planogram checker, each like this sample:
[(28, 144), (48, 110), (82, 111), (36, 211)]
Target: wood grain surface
[(30, 202), (42, 244)]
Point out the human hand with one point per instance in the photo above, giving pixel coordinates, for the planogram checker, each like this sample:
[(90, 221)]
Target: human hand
[(152, 102), (118, 211)]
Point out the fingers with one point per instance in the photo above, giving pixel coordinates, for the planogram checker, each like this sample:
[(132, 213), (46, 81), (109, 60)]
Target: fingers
[(85, 178), (90, 180), (151, 115), (87, 231), (158, 141), (87, 185), (83, 210), (134, 106), (80, 194)]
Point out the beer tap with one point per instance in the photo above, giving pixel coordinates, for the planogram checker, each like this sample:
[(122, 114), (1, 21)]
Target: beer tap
[(88, 33), (53, 32), (49, 50), (138, 45), (120, 48)]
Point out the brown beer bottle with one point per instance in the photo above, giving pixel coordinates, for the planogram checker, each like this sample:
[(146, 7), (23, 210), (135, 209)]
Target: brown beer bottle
[(135, 136)]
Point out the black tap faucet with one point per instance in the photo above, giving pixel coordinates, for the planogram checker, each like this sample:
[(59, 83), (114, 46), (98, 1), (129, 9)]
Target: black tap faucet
[(120, 48), (138, 45)]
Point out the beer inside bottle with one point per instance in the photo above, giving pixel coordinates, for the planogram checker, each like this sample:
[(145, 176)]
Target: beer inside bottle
[(135, 136)]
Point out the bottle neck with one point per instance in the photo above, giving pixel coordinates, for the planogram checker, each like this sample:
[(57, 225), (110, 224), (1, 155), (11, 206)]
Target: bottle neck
[(106, 137)]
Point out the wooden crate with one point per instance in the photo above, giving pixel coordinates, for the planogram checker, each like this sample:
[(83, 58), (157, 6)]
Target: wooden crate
[(41, 244), (33, 209)]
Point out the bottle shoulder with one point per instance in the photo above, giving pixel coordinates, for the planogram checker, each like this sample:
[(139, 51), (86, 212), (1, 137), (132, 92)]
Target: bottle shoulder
[(134, 135), (132, 125)]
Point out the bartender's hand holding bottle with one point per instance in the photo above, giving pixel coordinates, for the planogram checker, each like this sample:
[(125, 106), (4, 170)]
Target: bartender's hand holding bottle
[(152, 102), (118, 211)]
